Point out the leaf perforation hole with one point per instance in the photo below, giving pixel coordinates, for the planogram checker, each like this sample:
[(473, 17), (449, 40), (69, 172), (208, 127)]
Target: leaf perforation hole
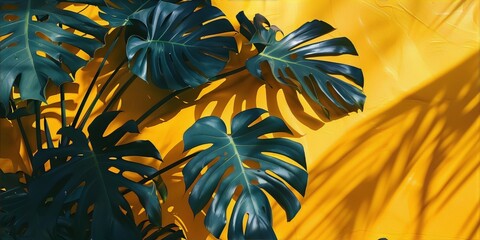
[(12, 45), (283, 158), (251, 164), (310, 84), (213, 20), (5, 36), (244, 223), (114, 170), (219, 58), (238, 191), (346, 79), (217, 35), (289, 78), (43, 36), (77, 51), (132, 175), (8, 6), (41, 53), (191, 30), (343, 103), (22, 179), (11, 18), (293, 56), (258, 120), (47, 166), (124, 212), (273, 174)]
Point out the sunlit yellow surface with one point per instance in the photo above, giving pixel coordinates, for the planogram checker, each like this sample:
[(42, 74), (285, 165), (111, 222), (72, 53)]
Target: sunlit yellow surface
[(405, 168)]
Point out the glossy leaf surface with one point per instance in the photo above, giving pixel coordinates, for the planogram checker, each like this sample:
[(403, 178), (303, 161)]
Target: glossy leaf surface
[(296, 64), (241, 160), (183, 45), (31, 52), (92, 178), (119, 12), (153, 232)]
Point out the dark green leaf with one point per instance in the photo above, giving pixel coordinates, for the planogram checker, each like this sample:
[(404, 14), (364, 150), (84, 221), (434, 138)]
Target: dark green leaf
[(92, 177), (119, 12), (292, 63), (152, 232), (29, 29), (182, 45), (234, 151)]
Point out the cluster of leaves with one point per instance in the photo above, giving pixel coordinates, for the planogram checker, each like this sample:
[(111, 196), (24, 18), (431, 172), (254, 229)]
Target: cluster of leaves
[(76, 189), (79, 196)]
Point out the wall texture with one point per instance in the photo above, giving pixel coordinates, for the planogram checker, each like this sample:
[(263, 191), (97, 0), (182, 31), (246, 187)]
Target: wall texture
[(407, 167)]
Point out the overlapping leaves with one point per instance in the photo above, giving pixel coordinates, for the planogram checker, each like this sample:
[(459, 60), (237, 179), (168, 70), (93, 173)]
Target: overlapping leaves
[(229, 160), (182, 45), (119, 12), (295, 64), (31, 50), (90, 177)]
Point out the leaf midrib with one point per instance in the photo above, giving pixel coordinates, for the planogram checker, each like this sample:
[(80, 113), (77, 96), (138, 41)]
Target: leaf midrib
[(286, 61), (135, 11), (169, 42), (243, 172), (27, 42)]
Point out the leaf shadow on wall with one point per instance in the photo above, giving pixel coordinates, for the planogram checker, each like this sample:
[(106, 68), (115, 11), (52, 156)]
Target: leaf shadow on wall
[(429, 138), (245, 91)]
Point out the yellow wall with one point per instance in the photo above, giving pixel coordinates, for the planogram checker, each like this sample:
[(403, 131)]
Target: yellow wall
[(405, 168)]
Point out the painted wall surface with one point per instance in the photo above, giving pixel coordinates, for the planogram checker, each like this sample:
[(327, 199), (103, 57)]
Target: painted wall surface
[(407, 167)]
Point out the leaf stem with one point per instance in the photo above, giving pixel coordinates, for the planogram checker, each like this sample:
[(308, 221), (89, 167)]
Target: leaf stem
[(62, 106), (92, 83), (159, 104), (99, 94), (25, 139), (119, 93), (37, 125), (23, 133), (223, 75), (163, 170)]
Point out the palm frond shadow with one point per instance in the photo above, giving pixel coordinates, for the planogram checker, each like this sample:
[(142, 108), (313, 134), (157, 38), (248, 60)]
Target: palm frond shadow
[(426, 144)]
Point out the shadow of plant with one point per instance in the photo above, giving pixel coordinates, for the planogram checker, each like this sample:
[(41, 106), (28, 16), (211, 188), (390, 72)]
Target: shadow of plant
[(421, 151)]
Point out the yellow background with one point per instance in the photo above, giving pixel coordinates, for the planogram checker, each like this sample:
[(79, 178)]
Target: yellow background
[(407, 167)]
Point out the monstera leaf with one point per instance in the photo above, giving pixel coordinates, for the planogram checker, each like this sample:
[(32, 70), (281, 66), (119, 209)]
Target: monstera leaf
[(30, 49), (118, 12), (182, 45), (153, 232), (293, 64), (230, 168), (93, 178)]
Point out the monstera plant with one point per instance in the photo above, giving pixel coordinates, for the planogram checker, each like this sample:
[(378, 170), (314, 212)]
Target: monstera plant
[(78, 185)]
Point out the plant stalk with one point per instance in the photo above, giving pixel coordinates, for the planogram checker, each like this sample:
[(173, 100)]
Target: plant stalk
[(94, 80), (119, 93), (159, 104), (62, 105), (23, 133), (38, 132), (163, 170), (223, 75), (95, 100)]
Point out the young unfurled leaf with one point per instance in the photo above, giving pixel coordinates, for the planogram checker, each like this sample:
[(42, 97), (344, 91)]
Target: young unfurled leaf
[(292, 63)]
